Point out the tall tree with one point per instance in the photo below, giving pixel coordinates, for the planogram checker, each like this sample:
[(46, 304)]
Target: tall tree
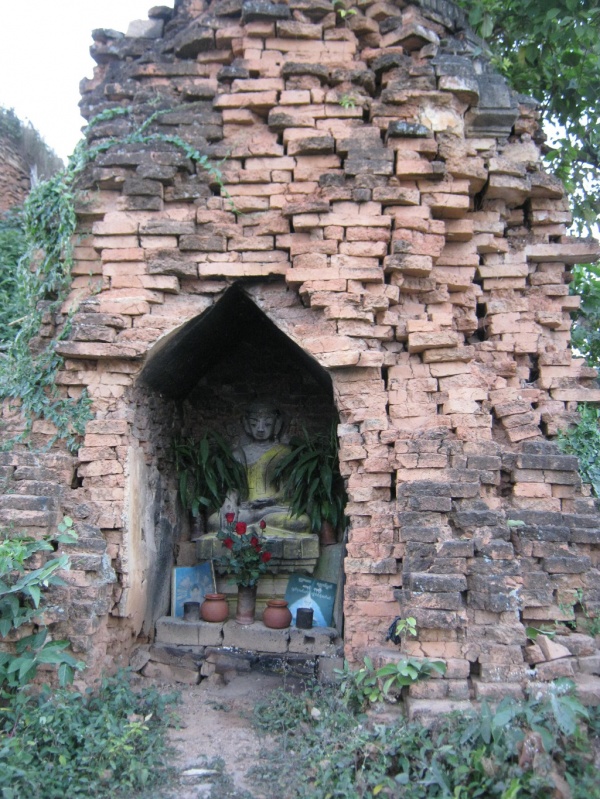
[(550, 49)]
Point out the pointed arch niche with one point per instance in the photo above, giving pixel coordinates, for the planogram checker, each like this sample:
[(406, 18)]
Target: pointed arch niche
[(203, 376)]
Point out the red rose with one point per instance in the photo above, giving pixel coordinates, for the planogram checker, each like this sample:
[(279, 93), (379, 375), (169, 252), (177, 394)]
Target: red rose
[(266, 557), (254, 541), (262, 524), (240, 528), (229, 517), (228, 542)]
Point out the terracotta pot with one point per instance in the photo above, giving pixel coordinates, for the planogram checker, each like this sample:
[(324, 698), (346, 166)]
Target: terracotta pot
[(214, 608), (277, 615), (327, 535), (246, 604)]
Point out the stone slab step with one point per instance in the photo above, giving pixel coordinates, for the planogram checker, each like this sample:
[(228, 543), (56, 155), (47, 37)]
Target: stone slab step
[(318, 641)]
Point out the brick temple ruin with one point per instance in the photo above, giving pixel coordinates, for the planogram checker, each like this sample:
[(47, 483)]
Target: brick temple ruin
[(386, 246), (24, 159)]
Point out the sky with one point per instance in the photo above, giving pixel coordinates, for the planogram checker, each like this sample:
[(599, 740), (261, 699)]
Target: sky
[(44, 53)]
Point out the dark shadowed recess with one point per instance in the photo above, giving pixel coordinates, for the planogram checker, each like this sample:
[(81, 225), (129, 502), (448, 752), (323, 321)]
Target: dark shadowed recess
[(234, 322)]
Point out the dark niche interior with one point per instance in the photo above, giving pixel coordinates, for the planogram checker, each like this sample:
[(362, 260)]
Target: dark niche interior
[(230, 356), (205, 375)]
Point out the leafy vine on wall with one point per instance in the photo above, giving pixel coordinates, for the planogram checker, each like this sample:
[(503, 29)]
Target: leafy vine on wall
[(28, 363)]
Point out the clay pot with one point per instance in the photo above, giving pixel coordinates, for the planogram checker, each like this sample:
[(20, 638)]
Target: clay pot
[(277, 615), (246, 604), (327, 534), (214, 608)]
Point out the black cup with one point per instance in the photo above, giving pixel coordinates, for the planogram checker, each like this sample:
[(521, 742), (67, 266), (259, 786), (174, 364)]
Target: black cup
[(304, 618)]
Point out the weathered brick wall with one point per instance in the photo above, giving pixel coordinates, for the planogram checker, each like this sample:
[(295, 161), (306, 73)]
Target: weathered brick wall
[(392, 218), (14, 174)]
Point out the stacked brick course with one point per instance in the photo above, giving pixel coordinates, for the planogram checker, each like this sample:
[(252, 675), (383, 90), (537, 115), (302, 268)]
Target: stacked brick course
[(384, 204), (14, 174)]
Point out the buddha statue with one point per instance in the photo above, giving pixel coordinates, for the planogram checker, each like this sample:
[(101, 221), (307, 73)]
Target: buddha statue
[(262, 423)]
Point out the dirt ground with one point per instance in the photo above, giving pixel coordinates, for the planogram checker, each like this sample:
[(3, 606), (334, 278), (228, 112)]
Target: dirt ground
[(214, 722)]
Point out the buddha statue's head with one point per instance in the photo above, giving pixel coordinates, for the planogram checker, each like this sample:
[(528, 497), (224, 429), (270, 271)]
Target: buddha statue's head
[(263, 421)]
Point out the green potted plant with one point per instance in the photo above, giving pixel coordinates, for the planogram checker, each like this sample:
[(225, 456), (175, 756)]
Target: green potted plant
[(310, 475), (206, 473)]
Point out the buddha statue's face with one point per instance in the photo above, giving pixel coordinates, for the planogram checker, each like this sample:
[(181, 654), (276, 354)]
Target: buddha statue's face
[(261, 425)]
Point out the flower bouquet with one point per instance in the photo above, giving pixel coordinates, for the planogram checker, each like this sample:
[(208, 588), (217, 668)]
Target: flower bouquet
[(248, 556), (246, 560)]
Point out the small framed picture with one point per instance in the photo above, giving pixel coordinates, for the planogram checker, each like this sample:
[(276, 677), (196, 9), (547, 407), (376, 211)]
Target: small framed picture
[(191, 584), (306, 592)]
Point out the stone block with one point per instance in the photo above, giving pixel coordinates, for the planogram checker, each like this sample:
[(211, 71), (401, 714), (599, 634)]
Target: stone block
[(432, 600), (533, 654), (263, 11), (566, 565), (446, 583), (187, 657), (552, 649), (222, 661), (316, 641), (293, 665), (255, 637), (555, 669), (173, 630), (193, 40), (429, 689), (145, 29), (439, 619), (456, 549), (496, 691), (589, 664), (139, 657), (426, 711), (326, 669), (164, 673), (579, 644), (502, 672), (457, 669), (588, 689)]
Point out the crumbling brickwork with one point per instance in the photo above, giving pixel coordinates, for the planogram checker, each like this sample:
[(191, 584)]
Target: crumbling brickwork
[(384, 204), (14, 174)]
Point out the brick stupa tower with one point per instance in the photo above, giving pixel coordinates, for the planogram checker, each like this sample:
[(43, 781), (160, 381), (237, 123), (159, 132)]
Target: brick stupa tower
[(384, 244)]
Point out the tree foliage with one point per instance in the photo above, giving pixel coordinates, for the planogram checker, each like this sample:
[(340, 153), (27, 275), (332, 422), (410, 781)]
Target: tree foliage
[(550, 49), (585, 333)]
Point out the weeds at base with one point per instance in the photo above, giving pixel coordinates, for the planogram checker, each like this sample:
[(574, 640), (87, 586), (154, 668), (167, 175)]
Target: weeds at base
[(522, 750)]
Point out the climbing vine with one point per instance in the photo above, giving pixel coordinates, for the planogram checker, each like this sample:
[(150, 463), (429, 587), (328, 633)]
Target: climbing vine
[(11, 252), (583, 440), (28, 363)]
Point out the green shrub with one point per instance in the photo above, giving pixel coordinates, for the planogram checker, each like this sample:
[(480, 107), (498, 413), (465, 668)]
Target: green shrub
[(105, 743), (522, 750), (12, 249), (370, 685), (22, 602)]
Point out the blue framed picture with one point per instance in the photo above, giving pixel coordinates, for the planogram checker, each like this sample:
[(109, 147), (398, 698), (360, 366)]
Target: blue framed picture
[(306, 592), (191, 584)]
